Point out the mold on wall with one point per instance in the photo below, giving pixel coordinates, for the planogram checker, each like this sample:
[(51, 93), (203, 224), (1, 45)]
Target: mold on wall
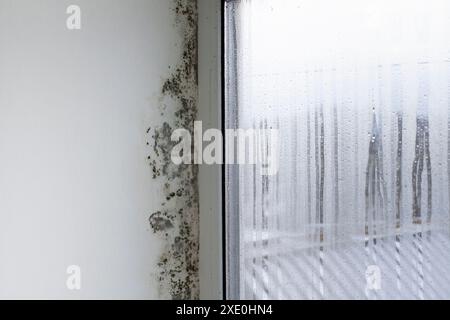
[(176, 221), (88, 96)]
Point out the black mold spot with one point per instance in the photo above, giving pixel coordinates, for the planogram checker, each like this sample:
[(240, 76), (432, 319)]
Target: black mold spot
[(160, 222), (177, 219)]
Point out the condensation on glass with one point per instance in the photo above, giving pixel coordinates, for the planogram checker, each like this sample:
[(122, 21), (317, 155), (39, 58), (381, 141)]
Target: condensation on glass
[(360, 94)]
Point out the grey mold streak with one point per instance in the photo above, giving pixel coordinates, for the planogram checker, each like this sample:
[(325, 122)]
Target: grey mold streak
[(177, 219)]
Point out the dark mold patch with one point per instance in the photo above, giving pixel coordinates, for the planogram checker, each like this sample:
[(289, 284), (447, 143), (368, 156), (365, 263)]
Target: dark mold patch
[(177, 219), (161, 221)]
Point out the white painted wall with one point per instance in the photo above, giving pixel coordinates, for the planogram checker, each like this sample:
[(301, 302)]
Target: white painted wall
[(74, 108)]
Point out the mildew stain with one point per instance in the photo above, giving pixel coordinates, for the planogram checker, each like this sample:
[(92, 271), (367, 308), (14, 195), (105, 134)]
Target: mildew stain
[(177, 219)]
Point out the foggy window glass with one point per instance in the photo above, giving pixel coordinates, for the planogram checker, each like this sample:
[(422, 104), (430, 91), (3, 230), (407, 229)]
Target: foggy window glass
[(359, 92)]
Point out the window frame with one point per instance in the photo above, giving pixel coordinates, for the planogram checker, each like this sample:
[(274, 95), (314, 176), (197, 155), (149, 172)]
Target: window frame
[(210, 181)]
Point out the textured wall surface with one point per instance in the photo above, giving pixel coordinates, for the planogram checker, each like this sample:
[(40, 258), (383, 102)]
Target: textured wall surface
[(84, 176), (177, 219)]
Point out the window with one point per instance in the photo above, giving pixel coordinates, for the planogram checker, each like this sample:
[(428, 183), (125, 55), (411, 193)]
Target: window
[(359, 92)]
